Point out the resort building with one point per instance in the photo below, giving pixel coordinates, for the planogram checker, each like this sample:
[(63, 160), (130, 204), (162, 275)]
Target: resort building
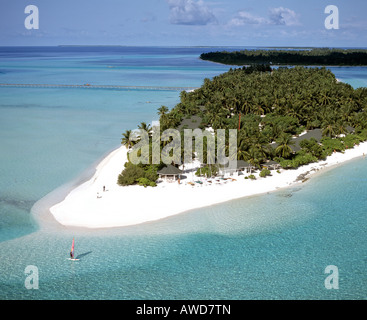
[(237, 166), (169, 173), (271, 165)]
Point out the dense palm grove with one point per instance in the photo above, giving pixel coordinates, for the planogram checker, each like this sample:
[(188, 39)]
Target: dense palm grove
[(315, 57), (270, 107), (288, 98)]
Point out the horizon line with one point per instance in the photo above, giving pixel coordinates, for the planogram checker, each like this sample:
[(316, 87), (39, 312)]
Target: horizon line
[(181, 46)]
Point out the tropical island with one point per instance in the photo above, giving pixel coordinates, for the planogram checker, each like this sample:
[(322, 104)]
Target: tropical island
[(290, 123), (290, 117), (305, 56)]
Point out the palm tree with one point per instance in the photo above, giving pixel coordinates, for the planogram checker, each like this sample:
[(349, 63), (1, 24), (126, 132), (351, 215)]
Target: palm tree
[(246, 107), (340, 128), (218, 118), (329, 130), (126, 140), (256, 106), (359, 120), (163, 116), (284, 146), (145, 127), (253, 157), (242, 145), (263, 147), (162, 111)]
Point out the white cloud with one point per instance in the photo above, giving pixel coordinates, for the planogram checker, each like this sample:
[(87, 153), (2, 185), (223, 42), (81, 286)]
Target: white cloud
[(244, 17), (283, 16), (190, 12), (277, 16)]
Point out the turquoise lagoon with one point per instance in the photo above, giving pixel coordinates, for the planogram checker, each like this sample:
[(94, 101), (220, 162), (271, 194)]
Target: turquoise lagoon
[(273, 246)]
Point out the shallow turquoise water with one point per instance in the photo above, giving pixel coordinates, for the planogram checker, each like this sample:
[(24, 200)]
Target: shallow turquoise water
[(50, 136), (274, 246)]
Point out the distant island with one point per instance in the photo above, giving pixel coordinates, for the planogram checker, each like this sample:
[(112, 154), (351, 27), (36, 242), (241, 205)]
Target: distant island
[(311, 57)]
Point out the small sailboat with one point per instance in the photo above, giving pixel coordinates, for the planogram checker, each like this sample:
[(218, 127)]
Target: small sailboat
[(72, 252)]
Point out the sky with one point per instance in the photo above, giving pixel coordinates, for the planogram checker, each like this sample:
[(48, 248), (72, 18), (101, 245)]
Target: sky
[(184, 23)]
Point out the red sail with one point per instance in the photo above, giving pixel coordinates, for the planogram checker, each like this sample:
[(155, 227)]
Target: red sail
[(72, 249)]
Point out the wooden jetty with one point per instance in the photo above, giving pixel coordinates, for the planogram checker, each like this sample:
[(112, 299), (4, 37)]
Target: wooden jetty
[(95, 86)]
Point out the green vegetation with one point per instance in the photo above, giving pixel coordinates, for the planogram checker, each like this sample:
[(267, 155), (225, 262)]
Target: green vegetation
[(341, 144), (126, 139), (268, 108), (146, 182), (274, 106), (299, 159), (130, 175), (313, 147), (331, 145), (315, 57), (284, 149), (207, 171), (144, 175), (264, 173)]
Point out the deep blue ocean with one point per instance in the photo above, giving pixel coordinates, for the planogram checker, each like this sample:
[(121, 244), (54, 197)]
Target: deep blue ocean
[(273, 246)]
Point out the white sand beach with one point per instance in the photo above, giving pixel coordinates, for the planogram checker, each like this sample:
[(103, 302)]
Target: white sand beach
[(89, 206)]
